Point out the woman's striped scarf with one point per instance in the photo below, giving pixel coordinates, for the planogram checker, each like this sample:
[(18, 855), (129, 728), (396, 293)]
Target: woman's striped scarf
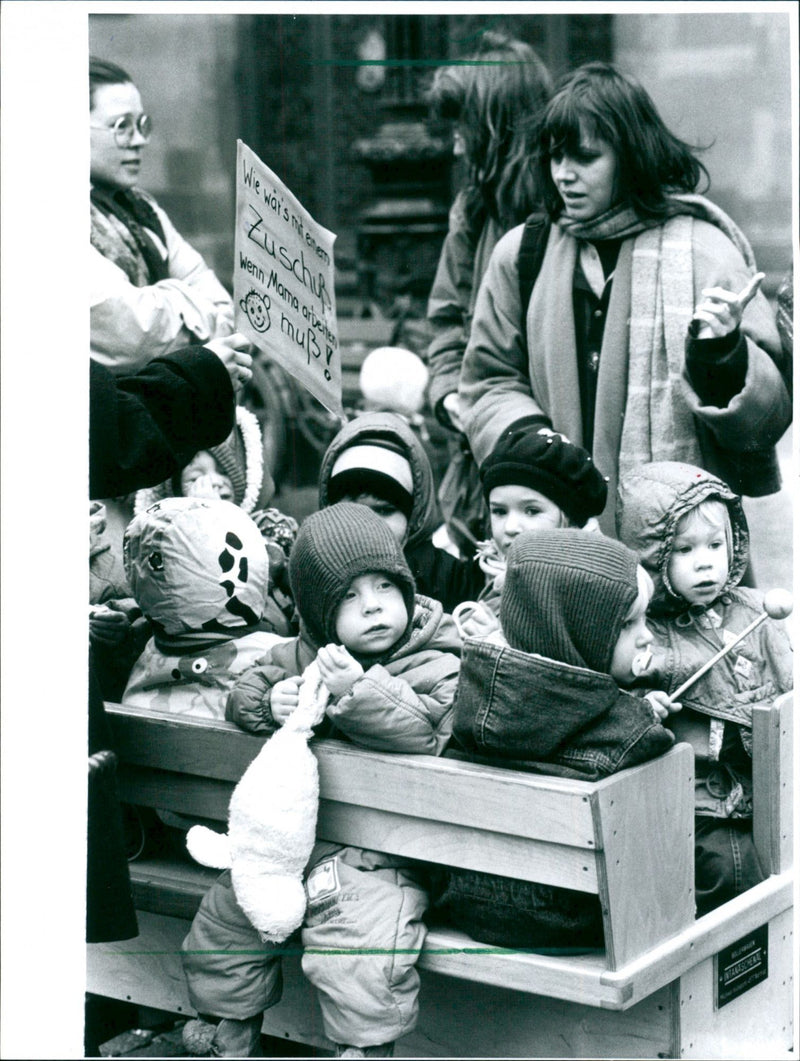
[(658, 424)]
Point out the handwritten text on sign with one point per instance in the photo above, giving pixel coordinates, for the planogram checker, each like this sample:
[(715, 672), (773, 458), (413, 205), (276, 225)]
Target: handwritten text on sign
[(283, 280)]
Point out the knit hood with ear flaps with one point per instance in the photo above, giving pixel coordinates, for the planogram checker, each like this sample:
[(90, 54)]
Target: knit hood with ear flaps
[(566, 595), (372, 429), (333, 547), (652, 501)]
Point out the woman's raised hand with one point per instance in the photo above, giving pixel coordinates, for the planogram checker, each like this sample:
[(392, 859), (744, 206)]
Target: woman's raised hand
[(720, 311)]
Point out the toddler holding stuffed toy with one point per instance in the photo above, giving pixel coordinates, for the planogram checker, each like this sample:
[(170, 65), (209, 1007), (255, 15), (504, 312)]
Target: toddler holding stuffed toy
[(389, 659)]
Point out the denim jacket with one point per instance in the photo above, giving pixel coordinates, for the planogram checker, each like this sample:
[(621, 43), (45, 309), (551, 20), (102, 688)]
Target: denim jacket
[(527, 712), (534, 713)]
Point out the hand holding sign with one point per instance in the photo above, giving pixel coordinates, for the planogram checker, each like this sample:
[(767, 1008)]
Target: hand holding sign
[(283, 280), (233, 351), (720, 312)]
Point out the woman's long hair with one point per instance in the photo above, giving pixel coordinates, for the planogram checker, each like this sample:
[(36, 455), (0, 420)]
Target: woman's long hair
[(613, 106), (102, 72), (495, 95)]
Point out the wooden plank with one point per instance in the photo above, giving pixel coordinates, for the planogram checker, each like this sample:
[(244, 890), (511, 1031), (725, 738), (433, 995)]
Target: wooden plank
[(456, 845), (182, 743), (645, 823), (464, 1020), (773, 787), (458, 1018), (541, 807), (671, 958), (362, 826), (576, 978), (169, 886), (757, 1024), (461, 793), (199, 797)]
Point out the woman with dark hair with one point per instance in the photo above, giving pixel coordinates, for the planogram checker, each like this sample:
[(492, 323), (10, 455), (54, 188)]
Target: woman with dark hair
[(493, 97), (645, 337), (150, 291)]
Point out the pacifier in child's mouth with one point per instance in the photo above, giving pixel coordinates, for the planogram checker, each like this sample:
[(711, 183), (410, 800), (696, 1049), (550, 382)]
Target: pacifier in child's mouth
[(641, 663)]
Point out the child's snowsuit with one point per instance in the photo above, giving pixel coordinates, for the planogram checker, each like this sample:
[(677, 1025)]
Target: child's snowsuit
[(716, 715), (566, 595), (365, 906)]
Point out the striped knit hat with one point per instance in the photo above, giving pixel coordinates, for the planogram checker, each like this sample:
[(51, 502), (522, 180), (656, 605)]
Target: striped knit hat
[(566, 595), (376, 466), (334, 546)]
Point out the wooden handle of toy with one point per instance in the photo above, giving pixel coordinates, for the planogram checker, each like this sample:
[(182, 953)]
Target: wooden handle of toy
[(717, 656)]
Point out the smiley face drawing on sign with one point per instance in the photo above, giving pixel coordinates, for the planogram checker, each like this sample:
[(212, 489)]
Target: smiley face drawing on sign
[(256, 307)]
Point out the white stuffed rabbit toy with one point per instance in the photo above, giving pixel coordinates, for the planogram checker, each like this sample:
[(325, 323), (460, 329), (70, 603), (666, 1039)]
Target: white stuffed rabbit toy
[(272, 821)]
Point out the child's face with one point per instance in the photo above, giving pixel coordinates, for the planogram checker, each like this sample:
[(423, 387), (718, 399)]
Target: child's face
[(202, 478), (372, 615), (514, 509), (392, 516), (698, 563), (635, 635)]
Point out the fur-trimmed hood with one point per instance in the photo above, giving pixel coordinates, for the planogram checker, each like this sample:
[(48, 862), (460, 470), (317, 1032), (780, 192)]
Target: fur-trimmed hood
[(651, 502)]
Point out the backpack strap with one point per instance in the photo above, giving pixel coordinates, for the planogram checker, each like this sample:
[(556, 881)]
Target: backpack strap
[(529, 260)]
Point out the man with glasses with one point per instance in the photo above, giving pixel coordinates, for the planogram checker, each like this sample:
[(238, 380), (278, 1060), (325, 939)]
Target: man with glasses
[(150, 291)]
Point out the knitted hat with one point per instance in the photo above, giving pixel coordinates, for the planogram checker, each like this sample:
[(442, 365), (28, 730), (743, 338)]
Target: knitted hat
[(334, 546), (373, 466), (196, 564), (560, 470), (566, 595), (240, 457)]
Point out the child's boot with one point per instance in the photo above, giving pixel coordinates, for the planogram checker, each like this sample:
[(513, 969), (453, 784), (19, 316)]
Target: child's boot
[(223, 1037), (382, 1050)]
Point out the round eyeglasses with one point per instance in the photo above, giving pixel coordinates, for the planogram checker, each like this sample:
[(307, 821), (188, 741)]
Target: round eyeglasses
[(126, 125)]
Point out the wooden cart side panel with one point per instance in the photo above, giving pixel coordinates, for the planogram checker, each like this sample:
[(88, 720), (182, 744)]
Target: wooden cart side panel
[(645, 824), (773, 787), (540, 807)]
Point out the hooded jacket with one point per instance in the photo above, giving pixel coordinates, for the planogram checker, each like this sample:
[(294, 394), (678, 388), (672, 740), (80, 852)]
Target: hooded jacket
[(570, 721), (565, 599), (527, 711), (403, 704), (652, 501), (437, 574)]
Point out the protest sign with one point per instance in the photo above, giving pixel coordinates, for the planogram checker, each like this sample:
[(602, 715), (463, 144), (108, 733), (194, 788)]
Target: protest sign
[(283, 280)]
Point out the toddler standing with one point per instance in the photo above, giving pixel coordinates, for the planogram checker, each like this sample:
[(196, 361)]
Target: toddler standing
[(691, 534), (390, 660)]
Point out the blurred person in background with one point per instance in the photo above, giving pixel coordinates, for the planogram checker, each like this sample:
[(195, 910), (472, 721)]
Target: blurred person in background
[(151, 292), (493, 98)]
